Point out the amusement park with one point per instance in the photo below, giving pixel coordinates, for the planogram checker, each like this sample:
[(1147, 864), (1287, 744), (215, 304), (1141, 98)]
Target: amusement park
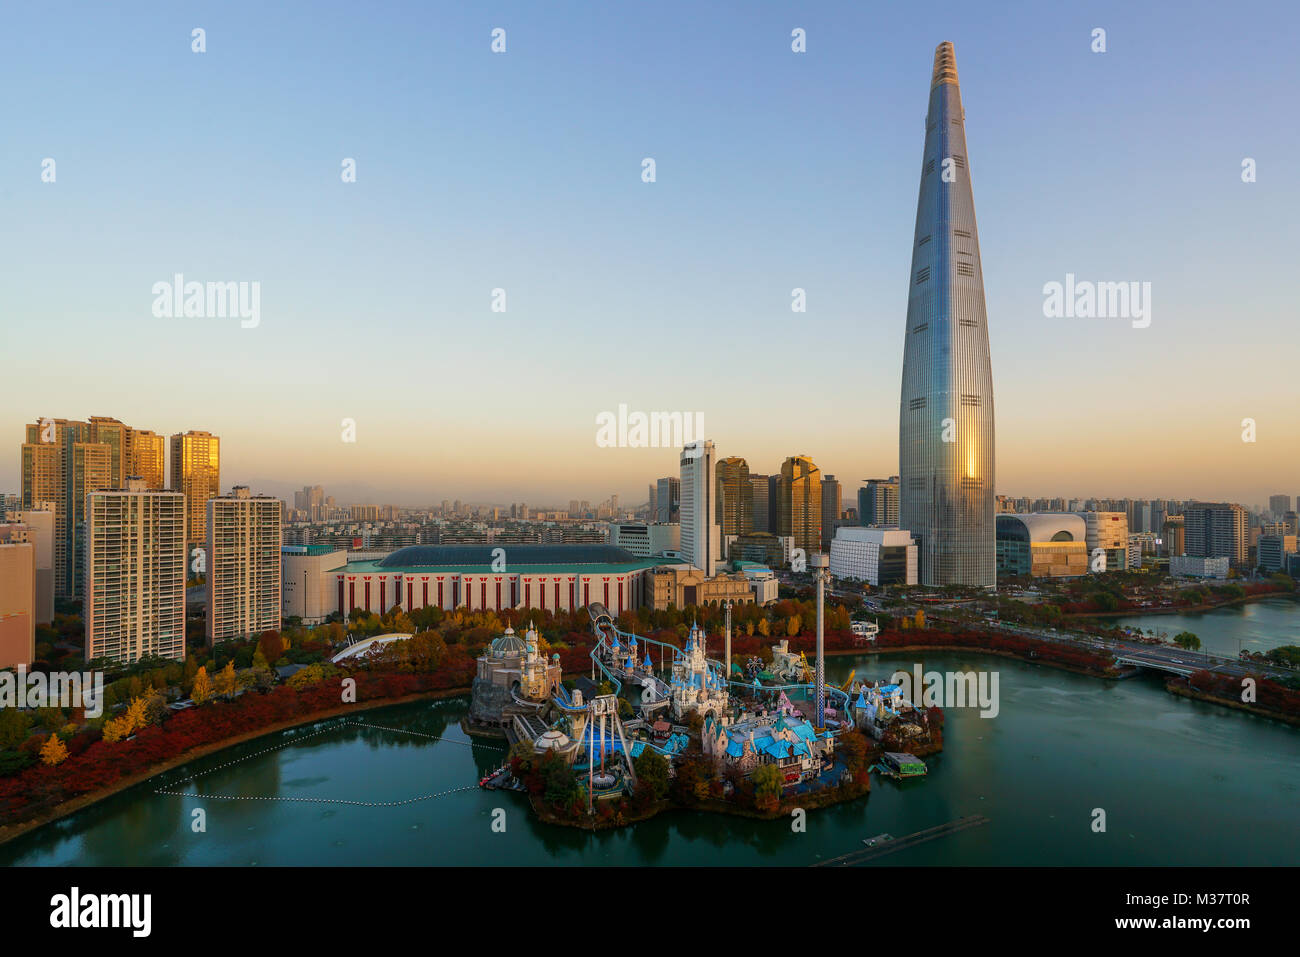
[(772, 732)]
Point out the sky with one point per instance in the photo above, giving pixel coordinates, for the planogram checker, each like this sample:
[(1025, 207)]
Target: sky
[(522, 171)]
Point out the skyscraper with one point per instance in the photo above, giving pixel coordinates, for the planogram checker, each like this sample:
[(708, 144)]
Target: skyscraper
[(735, 496), (243, 542), (668, 499), (699, 507), (196, 471), (832, 509), (800, 512), (878, 502), (761, 508), (135, 574), (62, 460), (945, 434), (1216, 530)]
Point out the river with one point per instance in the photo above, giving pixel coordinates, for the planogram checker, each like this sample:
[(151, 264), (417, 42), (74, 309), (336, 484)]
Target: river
[(1181, 782), (1253, 626)]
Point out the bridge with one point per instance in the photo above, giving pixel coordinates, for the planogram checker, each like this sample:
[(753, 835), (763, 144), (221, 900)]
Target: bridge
[(1159, 662)]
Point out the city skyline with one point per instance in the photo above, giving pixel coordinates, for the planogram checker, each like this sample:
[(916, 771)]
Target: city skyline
[(389, 279)]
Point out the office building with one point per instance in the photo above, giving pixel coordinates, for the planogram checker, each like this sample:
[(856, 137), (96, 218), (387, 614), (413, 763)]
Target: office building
[(800, 512), (832, 509), (1216, 530), (701, 542), (668, 500), (946, 435), (761, 506), (877, 556), (735, 496), (644, 539), (878, 502), (1109, 532)]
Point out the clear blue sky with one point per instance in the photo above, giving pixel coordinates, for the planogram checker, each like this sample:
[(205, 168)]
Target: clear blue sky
[(522, 171)]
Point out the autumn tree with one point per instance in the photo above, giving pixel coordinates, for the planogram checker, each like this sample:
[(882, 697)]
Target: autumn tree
[(202, 689), (271, 645), (54, 751), (226, 681)]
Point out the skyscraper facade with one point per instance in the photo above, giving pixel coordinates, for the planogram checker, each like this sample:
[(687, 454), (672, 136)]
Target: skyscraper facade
[(946, 464), (801, 503), (758, 485), (196, 472), (1216, 530), (832, 509), (668, 499), (735, 496), (699, 507)]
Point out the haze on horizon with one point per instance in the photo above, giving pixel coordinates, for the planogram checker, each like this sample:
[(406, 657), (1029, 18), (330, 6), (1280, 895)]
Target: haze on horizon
[(522, 171)]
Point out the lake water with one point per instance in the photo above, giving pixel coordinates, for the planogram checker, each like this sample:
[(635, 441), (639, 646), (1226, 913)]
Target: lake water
[(1181, 782)]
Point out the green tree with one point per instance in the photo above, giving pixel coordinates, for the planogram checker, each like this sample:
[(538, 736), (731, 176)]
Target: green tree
[(651, 769), (1185, 639)]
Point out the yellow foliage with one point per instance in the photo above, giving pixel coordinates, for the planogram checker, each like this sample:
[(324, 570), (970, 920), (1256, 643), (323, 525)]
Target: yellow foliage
[(54, 751), (202, 689)]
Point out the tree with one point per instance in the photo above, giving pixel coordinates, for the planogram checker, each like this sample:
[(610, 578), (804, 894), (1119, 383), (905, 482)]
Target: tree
[(764, 627), (54, 751), (225, 681), (652, 770), (271, 645), (202, 689), (1185, 639)]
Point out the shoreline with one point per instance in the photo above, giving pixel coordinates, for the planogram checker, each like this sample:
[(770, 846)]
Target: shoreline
[(979, 651), (9, 832), (1185, 609), (1182, 689)]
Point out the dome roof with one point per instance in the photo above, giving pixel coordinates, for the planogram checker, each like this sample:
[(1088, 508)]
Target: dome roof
[(508, 645)]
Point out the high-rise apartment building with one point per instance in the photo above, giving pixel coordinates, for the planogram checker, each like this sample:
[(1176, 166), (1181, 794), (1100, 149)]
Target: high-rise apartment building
[(878, 502), (196, 473), (243, 552), (946, 465), (1216, 530), (148, 458), (801, 503), (735, 496), (701, 544), (135, 574), (62, 460), (36, 527), (1279, 505)]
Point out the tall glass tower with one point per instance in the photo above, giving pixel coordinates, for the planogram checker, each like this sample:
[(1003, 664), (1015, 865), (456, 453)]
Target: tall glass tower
[(945, 433)]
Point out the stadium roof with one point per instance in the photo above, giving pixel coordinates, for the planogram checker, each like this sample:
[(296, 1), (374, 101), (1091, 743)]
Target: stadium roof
[(445, 556)]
